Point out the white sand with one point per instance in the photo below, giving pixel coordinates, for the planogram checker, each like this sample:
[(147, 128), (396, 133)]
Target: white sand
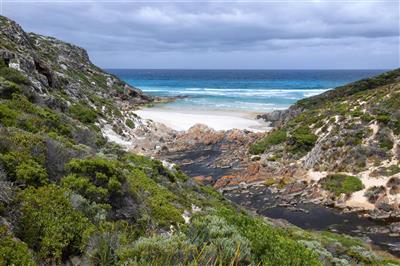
[(218, 120)]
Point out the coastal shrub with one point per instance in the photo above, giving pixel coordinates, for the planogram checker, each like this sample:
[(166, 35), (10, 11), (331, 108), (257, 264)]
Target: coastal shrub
[(356, 112), (102, 248), (7, 116), (10, 162), (274, 138), (130, 123), (7, 88), (13, 251), (13, 75), (224, 241), (155, 168), (373, 193), (302, 140), (383, 118), (49, 224), (105, 244), (31, 173), (391, 170), (158, 199), (269, 246), (339, 183), (158, 250), (83, 113), (96, 179), (367, 117)]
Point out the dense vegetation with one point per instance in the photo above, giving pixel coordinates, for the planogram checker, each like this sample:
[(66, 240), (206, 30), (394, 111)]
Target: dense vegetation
[(339, 183), (66, 194)]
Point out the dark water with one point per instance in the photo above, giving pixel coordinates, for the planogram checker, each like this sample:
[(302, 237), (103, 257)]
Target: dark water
[(316, 217), (304, 215)]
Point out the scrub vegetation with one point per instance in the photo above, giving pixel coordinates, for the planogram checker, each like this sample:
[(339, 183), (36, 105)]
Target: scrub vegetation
[(66, 194)]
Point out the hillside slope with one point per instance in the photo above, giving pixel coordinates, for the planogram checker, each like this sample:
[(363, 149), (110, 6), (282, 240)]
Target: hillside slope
[(344, 141), (69, 196)]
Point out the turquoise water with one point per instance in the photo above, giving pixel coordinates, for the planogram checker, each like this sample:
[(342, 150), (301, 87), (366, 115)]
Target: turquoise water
[(245, 90)]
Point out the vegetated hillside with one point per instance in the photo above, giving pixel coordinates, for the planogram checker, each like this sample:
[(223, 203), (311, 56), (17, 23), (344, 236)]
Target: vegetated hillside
[(353, 130), (68, 196)]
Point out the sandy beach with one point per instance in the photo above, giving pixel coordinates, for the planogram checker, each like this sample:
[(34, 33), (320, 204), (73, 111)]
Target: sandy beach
[(218, 120)]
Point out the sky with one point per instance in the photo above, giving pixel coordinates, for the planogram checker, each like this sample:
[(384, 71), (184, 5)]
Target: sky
[(221, 34)]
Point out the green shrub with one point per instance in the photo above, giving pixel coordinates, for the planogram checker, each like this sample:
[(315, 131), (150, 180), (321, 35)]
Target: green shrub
[(8, 88), (13, 251), (339, 184), (49, 224), (302, 140), (157, 198), (130, 123), (383, 118), (273, 138), (386, 143), (7, 116), (391, 170), (31, 173), (269, 246), (95, 178), (84, 187), (84, 114), (357, 113), (374, 192), (155, 168), (366, 117), (224, 241), (13, 75), (158, 250)]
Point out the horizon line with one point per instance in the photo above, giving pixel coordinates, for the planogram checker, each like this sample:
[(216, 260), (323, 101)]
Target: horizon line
[(135, 68), (250, 69)]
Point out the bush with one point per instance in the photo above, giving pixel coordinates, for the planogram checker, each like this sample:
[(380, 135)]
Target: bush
[(49, 224), (7, 88), (31, 173), (302, 140), (157, 198), (373, 193), (7, 116), (339, 184), (269, 246), (13, 251), (274, 138), (391, 170), (84, 187), (158, 250), (224, 242), (13, 75), (383, 118), (96, 179), (130, 123), (84, 114)]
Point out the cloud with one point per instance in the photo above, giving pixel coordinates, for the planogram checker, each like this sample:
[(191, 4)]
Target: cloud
[(204, 27)]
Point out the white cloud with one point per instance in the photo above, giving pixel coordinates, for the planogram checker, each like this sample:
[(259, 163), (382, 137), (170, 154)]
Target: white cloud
[(237, 28)]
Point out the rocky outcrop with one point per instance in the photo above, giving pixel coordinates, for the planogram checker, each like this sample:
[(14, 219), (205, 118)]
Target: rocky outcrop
[(278, 117), (62, 77), (51, 64)]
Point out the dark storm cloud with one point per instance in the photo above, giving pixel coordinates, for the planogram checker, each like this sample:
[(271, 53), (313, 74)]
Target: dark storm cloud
[(188, 28)]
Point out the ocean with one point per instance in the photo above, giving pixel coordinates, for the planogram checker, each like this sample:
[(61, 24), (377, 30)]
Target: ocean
[(240, 90)]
